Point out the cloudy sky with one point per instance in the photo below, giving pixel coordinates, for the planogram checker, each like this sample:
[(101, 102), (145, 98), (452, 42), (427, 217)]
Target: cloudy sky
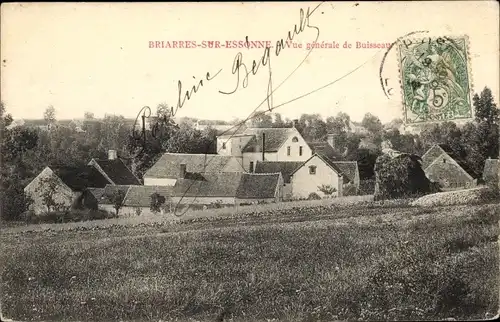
[(97, 57)]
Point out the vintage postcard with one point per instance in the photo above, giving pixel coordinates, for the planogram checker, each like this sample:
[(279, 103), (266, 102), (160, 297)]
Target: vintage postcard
[(250, 161)]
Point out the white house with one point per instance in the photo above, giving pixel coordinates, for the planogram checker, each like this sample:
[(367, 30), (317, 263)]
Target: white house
[(312, 174), (264, 144)]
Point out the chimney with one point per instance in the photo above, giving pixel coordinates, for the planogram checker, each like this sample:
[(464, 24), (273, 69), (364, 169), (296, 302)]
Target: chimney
[(263, 147), (295, 122), (111, 154), (329, 139), (182, 171)]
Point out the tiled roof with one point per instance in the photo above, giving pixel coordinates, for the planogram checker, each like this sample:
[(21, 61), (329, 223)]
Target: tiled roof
[(117, 171), (274, 138), (212, 185), (285, 167), (80, 178), (329, 162), (239, 185), (431, 155), (168, 165), (140, 196), (109, 191), (323, 149), (434, 153), (348, 169), (258, 186)]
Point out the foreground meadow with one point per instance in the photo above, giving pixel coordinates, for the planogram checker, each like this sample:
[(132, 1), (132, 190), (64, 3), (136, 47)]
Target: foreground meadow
[(325, 263)]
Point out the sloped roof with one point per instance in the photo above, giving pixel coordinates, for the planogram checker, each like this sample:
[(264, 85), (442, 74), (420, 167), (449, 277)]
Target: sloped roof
[(109, 192), (274, 138), (433, 154), (327, 161), (348, 169), (258, 186), (80, 178), (96, 192), (229, 184), (323, 149), (117, 171), (284, 167), (140, 196), (168, 165), (212, 185)]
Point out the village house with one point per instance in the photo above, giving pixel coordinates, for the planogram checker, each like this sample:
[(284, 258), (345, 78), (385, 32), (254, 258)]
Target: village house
[(172, 166), (264, 144), (286, 168), (114, 170), (63, 188), (70, 184), (442, 165), (317, 171), (199, 189)]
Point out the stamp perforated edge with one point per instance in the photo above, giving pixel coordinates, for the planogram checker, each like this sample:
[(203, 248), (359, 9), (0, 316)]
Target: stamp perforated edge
[(469, 77)]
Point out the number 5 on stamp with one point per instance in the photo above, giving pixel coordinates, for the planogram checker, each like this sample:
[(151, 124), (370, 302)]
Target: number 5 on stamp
[(435, 79)]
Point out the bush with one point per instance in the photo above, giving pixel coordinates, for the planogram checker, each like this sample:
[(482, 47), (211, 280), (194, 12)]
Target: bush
[(55, 217), (400, 177), (349, 190), (313, 196)]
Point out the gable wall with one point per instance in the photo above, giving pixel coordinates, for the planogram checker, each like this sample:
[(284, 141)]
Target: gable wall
[(304, 183), (62, 194), (449, 174)]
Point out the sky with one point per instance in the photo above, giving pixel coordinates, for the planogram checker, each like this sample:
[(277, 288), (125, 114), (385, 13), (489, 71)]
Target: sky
[(94, 57)]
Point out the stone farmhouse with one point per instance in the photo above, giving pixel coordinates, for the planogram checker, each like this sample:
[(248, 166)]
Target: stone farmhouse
[(72, 187), (442, 165)]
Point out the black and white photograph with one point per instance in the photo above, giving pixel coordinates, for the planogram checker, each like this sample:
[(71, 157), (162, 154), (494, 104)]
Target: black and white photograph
[(250, 161)]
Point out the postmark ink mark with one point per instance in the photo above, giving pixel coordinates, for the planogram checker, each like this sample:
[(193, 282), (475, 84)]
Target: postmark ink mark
[(435, 81)]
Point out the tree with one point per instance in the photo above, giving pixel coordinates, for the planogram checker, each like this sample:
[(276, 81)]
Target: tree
[(262, 119), (50, 115), (485, 108), (117, 199), (48, 189), (400, 177), (372, 124), (366, 159), (328, 190), (157, 201), (88, 116), (278, 120)]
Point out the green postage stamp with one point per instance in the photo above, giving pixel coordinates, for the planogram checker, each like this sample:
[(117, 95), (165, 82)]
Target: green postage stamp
[(435, 79)]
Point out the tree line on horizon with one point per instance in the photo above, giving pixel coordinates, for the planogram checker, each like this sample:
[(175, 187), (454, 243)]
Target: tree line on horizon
[(27, 150)]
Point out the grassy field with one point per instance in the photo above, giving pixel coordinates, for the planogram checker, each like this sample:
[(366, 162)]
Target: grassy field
[(320, 263)]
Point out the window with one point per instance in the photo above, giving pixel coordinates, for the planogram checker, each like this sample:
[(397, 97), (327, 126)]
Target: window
[(223, 145), (287, 150), (300, 150), (312, 169), (444, 160), (294, 139), (251, 166)]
